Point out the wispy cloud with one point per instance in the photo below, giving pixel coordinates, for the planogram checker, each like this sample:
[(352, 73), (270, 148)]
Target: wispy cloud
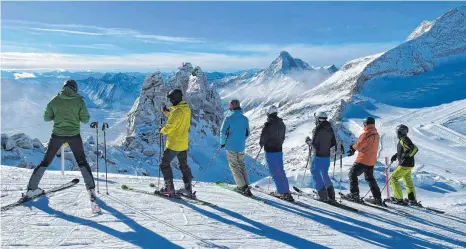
[(144, 62), (90, 46), (74, 29)]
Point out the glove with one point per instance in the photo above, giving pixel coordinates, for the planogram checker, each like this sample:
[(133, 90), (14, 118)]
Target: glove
[(308, 141), (222, 146), (351, 151), (165, 109), (393, 158)]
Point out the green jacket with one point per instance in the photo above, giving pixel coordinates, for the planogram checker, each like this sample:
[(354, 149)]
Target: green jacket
[(66, 110)]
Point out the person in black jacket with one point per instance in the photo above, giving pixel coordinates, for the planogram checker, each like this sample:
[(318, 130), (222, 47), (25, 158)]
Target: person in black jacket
[(323, 139), (272, 138), (405, 156)]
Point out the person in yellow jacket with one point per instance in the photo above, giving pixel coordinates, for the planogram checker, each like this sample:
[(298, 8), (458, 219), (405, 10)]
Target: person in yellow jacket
[(177, 131), (405, 156)]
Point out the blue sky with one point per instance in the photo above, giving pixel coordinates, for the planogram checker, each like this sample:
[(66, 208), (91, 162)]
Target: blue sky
[(225, 36)]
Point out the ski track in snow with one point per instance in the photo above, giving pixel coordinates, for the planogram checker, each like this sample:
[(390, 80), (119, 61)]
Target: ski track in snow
[(132, 220)]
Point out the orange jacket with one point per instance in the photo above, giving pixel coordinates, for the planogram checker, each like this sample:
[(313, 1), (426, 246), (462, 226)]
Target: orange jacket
[(367, 146)]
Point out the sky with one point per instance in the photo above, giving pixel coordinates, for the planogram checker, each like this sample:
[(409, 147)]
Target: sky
[(221, 36)]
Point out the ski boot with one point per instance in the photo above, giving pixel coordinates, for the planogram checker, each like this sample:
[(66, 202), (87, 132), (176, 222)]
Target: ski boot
[(397, 201), (322, 195), (168, 190), (354, 197), (93, 197), (331, 195), (375, 201), (187, 191), (243, 190), (31, 193), (287, 197), (413, 203)]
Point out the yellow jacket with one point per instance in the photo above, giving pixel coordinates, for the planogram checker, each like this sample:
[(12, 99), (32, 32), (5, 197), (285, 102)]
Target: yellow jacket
[(177, 127)]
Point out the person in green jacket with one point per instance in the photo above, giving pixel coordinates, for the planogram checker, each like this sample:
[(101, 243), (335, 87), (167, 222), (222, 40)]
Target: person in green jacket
[(66, 110)]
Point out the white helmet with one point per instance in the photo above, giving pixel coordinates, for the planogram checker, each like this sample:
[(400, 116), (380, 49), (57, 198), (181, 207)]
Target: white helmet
[(321, 115), (272, 109)]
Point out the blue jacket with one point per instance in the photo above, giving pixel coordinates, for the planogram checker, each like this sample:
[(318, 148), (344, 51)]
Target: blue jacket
[(235, 131)]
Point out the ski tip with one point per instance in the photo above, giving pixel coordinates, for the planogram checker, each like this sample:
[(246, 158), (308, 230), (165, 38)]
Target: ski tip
[(75, 181), (152, 185), (218, 182), (125, 187), (297, 189)]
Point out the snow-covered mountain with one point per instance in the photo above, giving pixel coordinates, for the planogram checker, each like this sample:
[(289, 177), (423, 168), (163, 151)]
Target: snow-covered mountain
[(419, 83), (112, 91), (285, 78)]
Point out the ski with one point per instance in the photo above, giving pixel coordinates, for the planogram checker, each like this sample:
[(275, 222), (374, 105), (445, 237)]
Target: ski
[(24, 199), (418, 207), (176, 198), (95, 209), (231, 188), (299, 192), (259, 189), (194, 198), (385, 208)]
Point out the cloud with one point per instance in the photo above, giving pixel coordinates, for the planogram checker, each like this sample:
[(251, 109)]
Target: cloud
[(90, 46), (74, 29), (145, 62), (24, 75)]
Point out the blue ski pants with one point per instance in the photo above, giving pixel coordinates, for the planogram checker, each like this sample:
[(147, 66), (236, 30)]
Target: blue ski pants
[(319, 172), (275, 165)]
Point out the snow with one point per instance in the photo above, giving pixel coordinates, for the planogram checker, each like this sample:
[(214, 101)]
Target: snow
[(23, 75), (131, 220)]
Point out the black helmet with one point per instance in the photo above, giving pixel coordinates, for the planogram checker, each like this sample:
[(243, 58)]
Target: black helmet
[(175, 96), (234, 105), (71, 84), (402, 130), (368, 121)]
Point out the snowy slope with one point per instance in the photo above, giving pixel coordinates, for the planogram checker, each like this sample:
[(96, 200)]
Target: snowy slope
[(132, 220)]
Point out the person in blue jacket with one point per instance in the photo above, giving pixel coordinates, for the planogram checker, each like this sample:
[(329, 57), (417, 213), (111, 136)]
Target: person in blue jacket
[(234, 132)]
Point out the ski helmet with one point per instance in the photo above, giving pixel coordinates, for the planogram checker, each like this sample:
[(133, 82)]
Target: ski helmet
[(368, 121), (320, 116), (234, 105), (175, 96), (402, 130), (71, 84), (272, 109)]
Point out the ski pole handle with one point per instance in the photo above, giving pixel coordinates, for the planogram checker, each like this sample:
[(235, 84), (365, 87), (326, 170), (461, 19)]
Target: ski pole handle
[(104, 126), (95, 124)]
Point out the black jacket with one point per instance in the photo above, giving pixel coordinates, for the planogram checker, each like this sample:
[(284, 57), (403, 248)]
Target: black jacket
[(323, 139), (273, 134), (405, 152)]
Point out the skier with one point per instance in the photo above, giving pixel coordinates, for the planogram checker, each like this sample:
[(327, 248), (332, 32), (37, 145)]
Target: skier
[(367, 147), (234, 132), (323, 139), (272, 138), (177, 131), (66, 110), (405, 156)]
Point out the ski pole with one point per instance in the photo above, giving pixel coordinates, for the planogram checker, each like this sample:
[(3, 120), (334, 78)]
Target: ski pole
[(334, 162), (383, 186), (104, 127), (386, 183), (95, 125), (208, 164), (341, 166), (160, 152), (307, 164)]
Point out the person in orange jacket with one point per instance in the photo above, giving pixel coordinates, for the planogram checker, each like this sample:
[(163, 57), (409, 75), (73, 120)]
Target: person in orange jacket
[(367, 147)]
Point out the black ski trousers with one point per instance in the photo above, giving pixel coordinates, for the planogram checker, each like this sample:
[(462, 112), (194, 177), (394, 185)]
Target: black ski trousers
[(357, 170), (55, 143), (168, 156)]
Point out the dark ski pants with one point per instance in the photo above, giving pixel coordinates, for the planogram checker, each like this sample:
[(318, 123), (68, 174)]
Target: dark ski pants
[(168, 156), (357, 170), (55, 143)]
